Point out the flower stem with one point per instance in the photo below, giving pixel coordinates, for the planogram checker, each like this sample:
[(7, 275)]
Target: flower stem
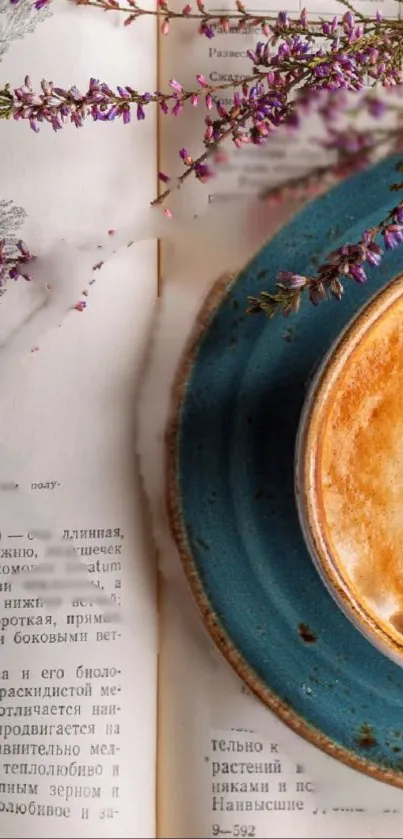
[(348, 262), (241, 17)]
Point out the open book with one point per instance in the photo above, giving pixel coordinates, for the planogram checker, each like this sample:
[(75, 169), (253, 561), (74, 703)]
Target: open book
[(110, 729)]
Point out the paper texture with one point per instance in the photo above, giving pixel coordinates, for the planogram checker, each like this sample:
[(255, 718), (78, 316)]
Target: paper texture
[(292, 788), (77, 693)]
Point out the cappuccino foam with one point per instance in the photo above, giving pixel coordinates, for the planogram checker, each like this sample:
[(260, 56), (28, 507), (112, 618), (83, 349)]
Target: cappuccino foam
[(360, 475)]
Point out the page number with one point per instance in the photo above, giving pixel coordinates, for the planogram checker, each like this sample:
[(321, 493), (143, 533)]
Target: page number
[(240, 831)]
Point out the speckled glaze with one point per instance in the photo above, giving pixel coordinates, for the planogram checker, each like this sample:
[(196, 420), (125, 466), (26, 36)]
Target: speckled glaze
[(307, 455), (236, 405)]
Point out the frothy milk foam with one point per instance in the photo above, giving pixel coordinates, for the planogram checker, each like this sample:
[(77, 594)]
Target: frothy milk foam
[(360, 483)]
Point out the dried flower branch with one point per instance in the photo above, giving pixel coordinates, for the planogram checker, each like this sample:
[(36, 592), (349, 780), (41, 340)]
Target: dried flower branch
[(210, 23), (288, 73), (345, 263), (299, 66)]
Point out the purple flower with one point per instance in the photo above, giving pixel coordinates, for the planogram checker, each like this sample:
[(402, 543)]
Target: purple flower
[(126, 114), (209, 132), (202, 172), (222, 112), (303, 17), (358, 274), (374, 254), (140, 112), (177, 108), (282, 19), (292, 281), (207, 30), (176, 86), (114, 111), (393, 236), (376, 107)]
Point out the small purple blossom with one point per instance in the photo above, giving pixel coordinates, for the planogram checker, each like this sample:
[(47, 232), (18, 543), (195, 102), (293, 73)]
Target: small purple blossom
[(358, 274), (186, 157), (202, 172), (207, 30), (177, 108), (393, 236), (292, 281), (374, 254), (176, 86)]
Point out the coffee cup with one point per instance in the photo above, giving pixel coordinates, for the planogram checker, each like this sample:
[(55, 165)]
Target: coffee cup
[(349, 470)]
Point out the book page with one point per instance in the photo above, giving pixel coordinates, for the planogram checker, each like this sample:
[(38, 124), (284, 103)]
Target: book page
[(78, 680), (227, 766), (290, 788)]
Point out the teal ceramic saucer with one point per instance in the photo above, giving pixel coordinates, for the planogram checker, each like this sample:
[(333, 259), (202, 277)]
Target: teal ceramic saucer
[(230, 492)]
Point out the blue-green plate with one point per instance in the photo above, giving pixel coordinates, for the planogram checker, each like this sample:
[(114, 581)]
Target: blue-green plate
[(236, 404)]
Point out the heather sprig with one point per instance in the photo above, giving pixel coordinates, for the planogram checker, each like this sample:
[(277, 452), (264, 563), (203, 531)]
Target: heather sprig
[(289, 71), (300, 65), (348, 262), (14, 261), (238, 20), (255, 115)]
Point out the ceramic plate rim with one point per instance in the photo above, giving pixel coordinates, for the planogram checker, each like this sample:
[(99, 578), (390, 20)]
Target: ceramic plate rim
[(211, 304)]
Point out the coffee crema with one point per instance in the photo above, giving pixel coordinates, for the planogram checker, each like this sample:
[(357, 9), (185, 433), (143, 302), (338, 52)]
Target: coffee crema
[(359, 469)]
